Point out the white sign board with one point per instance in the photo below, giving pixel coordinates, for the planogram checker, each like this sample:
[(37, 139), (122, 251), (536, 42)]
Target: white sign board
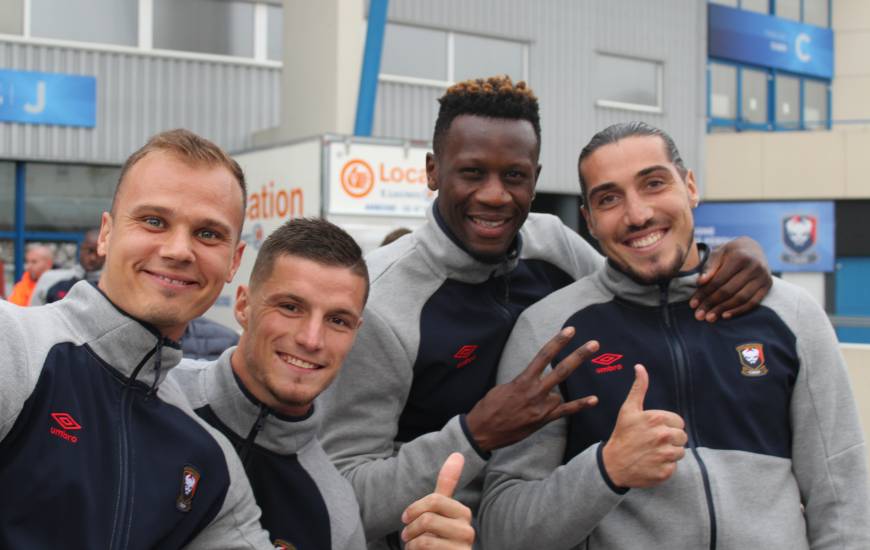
[(377, 180), (283, 183)]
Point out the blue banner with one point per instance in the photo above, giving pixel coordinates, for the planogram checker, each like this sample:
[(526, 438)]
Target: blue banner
[(48, 98), (773, 42), (796, 236)]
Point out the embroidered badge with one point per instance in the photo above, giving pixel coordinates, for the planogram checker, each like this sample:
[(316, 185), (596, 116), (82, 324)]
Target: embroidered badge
[(189, 484), (752, 359), (283, 545)]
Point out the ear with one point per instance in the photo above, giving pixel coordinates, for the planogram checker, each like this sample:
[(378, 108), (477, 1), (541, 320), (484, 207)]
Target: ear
[(240, 309), (105, 234), (431, 172), (692, 189), (590, 222), (237, 260)]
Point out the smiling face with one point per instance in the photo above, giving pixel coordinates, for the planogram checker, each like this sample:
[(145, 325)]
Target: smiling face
[(485, 176), (640, 209), (171, 241), (299, 324)]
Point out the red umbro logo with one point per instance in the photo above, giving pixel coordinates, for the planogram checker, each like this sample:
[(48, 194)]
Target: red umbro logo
[(465, 355), (607, 362), (66, 422)]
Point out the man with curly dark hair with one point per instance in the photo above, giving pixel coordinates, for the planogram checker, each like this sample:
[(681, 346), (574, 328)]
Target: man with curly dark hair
[(419, 382)]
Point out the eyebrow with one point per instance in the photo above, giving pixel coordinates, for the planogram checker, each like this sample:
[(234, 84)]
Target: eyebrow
[(304, 302), (649, 170), (164, 211)]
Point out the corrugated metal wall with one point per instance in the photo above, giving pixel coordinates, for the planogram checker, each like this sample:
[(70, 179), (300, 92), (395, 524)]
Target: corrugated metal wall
[(139, 95), (564, 36)]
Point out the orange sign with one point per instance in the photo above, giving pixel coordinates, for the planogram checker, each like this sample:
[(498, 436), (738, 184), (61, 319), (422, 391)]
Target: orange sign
[(357, 178)]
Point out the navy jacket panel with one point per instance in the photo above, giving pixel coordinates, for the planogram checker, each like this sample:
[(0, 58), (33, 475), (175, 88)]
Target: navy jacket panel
[(78, 450), (296, 512), (463, 328), (695, 370)]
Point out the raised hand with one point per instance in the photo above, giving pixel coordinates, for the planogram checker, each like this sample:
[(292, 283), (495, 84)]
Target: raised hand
[(437, 521), (645, 446), (510, 412)]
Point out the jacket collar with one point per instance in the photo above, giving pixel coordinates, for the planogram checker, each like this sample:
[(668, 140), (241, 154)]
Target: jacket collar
[(131, 347), (239, 409), (677, 289), (446, 254)]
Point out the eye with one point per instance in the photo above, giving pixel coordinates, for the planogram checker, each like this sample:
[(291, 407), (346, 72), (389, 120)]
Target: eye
[(471, 171), (606, 200), (153, 221), (209, 235), (290, 308), (341, 322), (654, 184)]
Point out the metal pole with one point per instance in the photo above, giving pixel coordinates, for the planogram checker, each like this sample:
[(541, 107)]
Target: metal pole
[(368, 83), (20, 204)]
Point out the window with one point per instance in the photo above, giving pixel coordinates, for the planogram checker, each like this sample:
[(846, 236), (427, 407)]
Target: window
[(104, 21), (754, 96), (275, 33), (816, 13), (789, 9), (207, 26), (7, 195), (798, 103), (812, 12), (67, 197), (723, 91), (414, 52), (788, 100), (729, 3), (628, 83), (760, 6), (816, 116), (439, 58)]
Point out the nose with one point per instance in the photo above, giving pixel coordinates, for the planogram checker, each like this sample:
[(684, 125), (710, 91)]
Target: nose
[(310, 334), (492, 192), (178, 245), (637, 210)]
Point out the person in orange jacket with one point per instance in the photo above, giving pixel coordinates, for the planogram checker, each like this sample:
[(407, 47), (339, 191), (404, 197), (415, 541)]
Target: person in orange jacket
[(37, 261)]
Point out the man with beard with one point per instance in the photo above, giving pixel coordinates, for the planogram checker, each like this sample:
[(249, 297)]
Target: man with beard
[(738, 434), (418, 383)]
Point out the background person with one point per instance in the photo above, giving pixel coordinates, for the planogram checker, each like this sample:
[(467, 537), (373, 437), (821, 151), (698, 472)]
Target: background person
[(56, 283), (37, 261)]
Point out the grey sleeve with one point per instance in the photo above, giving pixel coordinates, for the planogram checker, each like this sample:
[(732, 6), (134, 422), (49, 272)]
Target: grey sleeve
[(18, 374), (829, 456), (530, 500), (359, 430)]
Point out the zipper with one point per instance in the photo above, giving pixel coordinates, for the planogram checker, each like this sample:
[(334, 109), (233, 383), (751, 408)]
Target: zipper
[(245, 449), (123, 508), (682, 372)]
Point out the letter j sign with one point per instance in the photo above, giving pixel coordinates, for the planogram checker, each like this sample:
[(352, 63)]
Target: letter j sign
[(48, 98)]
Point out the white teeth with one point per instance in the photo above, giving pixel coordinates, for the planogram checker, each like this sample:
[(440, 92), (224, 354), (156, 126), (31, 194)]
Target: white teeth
[(174, 281), (648, 240), (489, 223), (296, 362)]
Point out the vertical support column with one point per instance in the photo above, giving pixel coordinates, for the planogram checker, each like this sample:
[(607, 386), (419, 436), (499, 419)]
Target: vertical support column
[(368, 83), (20, 204)]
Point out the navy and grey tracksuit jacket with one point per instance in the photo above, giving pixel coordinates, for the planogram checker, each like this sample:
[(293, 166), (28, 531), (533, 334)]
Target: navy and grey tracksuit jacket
[(306, 503), (433, 332), (97, 450), (776, 457)]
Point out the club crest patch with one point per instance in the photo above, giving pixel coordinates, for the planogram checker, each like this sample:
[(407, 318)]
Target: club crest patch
[(189, 484), (283, 545), (752, 359)]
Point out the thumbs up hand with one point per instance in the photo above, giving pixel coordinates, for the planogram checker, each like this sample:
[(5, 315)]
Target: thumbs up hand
[(645, 446), (438, 521)]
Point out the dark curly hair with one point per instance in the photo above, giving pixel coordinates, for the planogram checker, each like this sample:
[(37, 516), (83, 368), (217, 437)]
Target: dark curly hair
[(493, 97)]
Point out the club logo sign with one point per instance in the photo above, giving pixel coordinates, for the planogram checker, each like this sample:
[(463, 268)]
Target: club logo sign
[(752, 360), (799, 234), (280, 544)]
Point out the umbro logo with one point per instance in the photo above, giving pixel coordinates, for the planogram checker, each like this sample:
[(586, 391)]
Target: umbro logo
[(465, 355), (66, 423), (608, 362)]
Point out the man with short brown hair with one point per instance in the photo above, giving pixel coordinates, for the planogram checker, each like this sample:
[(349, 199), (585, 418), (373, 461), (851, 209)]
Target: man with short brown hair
[(125, 463)]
